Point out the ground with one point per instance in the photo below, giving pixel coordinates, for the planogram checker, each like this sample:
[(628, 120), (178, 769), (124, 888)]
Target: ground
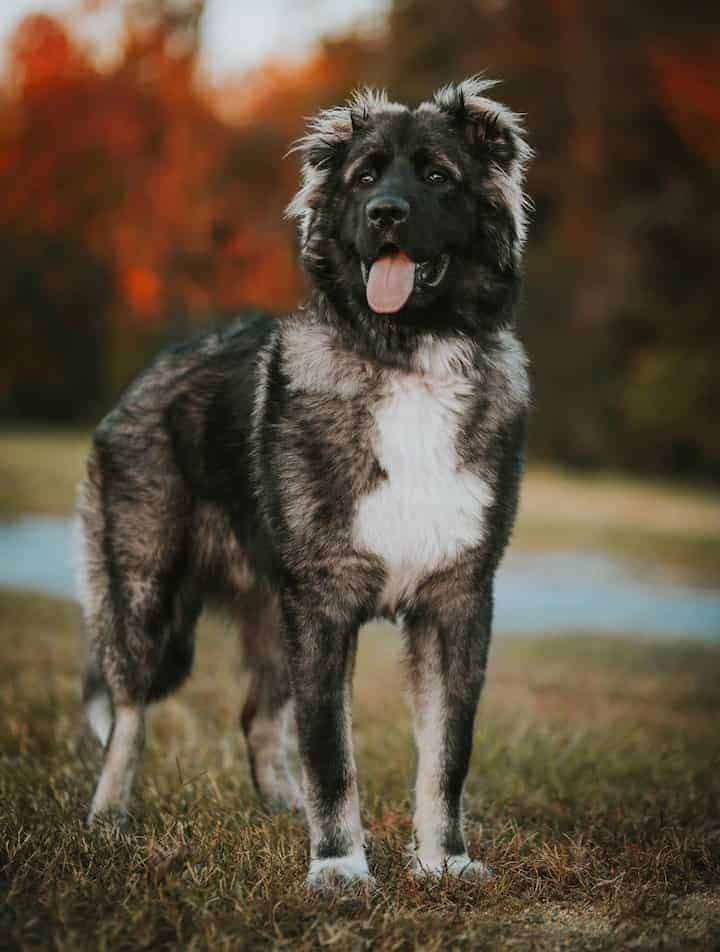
[(594, 792)]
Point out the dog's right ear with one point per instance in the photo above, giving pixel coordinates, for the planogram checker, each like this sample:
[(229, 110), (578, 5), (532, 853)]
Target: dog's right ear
[(329, 132), (328, 135), (324, 147)]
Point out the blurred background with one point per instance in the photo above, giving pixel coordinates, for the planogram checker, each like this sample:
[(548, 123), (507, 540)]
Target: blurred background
[(142, 189)]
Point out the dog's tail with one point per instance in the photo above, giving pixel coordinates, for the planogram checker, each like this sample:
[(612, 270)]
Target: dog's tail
[(93, 593)]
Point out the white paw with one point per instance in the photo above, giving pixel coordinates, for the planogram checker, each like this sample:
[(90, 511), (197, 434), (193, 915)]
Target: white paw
[(339, 871), (461, 867)]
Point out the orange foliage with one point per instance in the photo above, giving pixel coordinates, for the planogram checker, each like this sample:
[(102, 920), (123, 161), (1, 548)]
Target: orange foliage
[(140, 168), (43, 54), (141, 289), (690, 89)]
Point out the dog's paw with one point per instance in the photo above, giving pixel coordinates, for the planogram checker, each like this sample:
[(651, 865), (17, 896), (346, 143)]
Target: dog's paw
[(288, 804), (339, 872), (460, 867), (283, 797), (278, 789)]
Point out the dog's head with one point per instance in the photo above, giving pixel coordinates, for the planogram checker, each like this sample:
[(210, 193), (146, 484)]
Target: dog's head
[(405, 212)]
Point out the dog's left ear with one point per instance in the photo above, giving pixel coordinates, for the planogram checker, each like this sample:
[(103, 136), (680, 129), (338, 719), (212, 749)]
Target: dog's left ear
[(487, 126)]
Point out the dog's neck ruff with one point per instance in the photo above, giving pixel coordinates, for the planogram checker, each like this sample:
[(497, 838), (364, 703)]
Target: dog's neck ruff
[(318, 359), (391, 343)]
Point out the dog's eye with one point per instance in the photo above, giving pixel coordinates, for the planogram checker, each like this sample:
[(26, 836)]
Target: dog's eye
[(436, 177), (366, 177)]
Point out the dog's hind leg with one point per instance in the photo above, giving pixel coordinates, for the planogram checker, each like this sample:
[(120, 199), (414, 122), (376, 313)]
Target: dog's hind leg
[(118, 723), (118, 690), (117, 716), (122, 756), (266, 715), (447, 642)]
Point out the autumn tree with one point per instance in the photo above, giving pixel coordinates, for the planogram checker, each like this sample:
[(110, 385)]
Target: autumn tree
[(139, 205)]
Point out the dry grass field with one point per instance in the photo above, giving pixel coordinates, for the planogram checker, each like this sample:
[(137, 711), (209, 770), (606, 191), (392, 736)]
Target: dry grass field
[(594, 792)]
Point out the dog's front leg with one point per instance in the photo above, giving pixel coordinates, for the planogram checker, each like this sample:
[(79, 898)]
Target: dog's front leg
[(447, 642), (321, 640)]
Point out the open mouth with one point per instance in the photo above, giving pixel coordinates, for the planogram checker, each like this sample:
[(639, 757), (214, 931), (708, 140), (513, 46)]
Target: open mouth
[(392, 277)]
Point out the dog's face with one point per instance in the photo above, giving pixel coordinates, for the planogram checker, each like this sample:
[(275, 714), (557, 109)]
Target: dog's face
[(405, 214)]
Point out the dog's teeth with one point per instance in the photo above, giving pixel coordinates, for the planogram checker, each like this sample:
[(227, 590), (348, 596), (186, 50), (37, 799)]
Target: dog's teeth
[(364, 271)]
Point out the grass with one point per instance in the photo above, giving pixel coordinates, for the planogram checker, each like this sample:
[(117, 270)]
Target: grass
[(594, 791), (594, 794), (40, 469), (653, 522)]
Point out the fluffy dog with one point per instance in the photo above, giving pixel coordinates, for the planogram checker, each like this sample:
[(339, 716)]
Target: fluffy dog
[(359, 458)]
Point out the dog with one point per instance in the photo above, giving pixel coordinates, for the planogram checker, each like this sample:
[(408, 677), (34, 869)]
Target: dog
[(358, 458)]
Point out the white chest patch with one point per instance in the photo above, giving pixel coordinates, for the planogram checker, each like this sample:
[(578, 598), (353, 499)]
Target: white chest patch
[(429, 508)]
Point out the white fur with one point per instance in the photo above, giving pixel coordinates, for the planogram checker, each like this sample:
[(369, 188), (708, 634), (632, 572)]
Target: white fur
[(313, 364), (445, 359), (430, 507), (512, 363), (509, 188), (430, 819), (345, 869), (430, 721), (98, 711), (121, 758), (461, 867)]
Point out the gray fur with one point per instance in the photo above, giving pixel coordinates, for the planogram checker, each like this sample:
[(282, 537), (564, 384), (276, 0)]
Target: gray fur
[(257, 468)]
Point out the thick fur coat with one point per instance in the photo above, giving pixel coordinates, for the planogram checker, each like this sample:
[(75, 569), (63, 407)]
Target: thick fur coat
[(359, 458)]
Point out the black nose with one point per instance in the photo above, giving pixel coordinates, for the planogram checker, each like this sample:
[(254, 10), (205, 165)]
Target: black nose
[(385, 210)]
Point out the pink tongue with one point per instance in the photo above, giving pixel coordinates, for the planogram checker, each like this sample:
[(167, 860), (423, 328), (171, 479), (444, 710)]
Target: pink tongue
[(390, 283)]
